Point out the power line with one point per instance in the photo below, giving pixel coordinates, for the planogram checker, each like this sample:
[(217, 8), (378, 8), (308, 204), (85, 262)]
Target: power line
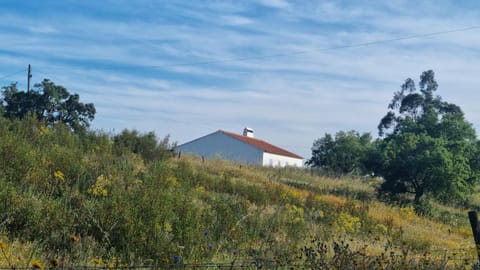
[(242, 59), (364, 44), (9, 75)]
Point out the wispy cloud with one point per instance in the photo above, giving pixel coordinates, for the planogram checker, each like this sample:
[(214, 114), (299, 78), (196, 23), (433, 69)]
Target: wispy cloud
[(236, 20), (275, 3), (43, 29), (190, 68)]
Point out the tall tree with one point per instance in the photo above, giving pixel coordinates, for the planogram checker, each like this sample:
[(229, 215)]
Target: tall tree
[(428, 146), (343, 154), (48, 102)]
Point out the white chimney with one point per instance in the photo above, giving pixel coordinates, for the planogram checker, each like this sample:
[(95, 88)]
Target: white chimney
[(248, 132)]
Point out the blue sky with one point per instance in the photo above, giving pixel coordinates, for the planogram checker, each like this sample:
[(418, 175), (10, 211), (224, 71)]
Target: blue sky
[(291, 70)]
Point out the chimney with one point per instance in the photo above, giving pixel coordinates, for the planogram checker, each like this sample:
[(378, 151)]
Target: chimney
[(248, 132)]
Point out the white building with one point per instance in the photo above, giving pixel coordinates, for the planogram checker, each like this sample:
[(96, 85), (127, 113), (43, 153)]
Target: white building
[(240, 148)]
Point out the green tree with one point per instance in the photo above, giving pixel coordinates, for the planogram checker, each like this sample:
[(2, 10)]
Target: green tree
[(48, 102), (427, 146), (145, 145), (344, 154)]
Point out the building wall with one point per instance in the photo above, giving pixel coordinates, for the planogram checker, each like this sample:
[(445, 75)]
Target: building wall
[(280, 161), (223, 146)]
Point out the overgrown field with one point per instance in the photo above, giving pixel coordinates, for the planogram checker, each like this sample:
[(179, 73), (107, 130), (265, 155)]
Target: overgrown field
[(86, 199)]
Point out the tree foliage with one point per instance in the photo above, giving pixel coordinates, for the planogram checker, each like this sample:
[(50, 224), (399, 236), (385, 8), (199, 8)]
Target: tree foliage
[(427, 146), (343, 154), (48, 102), (145, 145)]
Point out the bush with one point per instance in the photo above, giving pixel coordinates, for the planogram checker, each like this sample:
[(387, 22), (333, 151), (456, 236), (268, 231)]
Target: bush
[(145, 145)]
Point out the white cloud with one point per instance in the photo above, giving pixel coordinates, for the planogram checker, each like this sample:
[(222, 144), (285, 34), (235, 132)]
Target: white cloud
[(292, 96), (281, 4), (42, 29), (236, 20)]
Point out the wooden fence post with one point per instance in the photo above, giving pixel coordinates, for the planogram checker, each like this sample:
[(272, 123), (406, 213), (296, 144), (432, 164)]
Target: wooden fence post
[(472, 215)]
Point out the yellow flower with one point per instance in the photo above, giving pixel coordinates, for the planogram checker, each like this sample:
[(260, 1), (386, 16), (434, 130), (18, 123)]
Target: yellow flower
[(408, 212), (97, 261), (171, 181), (200, 188), (100, 187), (55, 262), (36, 264), (168, 227), (74, 238), (3, 245), (59, 176), (381, 228), (320, 214), (298, 220), (44, 131), (348, 223)]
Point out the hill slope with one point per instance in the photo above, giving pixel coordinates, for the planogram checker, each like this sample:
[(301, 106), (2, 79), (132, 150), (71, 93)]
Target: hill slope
[(79, 199)]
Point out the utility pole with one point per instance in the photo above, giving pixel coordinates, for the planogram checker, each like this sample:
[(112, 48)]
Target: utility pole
[(28, 78)]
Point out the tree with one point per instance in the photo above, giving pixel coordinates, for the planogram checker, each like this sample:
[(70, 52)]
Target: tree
[(343, 154), (427, 146), (145, 145), (48, 102)]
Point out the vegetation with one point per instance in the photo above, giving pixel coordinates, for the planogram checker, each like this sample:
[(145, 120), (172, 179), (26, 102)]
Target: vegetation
[(145, 145), (48, 102), (426, 148), (346, 154), (73, 197), (431, 148), (76, 199)]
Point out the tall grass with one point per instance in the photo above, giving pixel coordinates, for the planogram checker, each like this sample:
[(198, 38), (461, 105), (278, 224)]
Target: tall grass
[(70, 199)]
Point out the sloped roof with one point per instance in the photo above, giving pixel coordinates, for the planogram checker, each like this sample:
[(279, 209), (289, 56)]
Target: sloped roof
[(263, 145)]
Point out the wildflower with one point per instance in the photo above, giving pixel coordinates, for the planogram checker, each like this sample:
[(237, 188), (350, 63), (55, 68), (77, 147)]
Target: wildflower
[(168, 227), (205, 233), (348, 223), (210, 245), (116, 260), (3, 245), (59, 176), (55, 262), (44, 131), (36, 264), (171, 181), (99, 189), (298, 220), (74, 238), (97, 261), (235, 252), (318, 214)]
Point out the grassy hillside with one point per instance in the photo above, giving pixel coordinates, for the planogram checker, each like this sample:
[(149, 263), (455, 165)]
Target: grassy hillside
[(81, 199)]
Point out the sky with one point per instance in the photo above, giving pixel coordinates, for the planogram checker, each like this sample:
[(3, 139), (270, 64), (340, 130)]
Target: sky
[(291, 70)]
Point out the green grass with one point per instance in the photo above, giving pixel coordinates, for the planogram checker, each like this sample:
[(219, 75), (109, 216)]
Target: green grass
[(78, 200)]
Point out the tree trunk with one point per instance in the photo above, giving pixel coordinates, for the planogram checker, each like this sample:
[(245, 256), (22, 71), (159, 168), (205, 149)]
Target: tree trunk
[(418, 195)]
